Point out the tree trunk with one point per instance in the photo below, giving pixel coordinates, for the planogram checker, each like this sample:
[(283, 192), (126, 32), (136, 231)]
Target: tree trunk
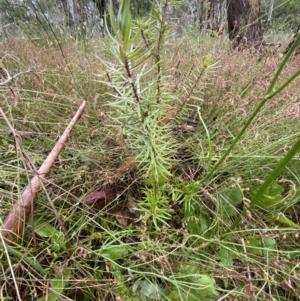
[(202, 8), (103, 7), (211, 14), (243, 21), (80, 18), (68, 14), (216, 14)]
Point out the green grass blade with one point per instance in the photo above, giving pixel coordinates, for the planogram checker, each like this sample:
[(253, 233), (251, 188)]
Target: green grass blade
[(270, 93), (274, 174), (282, 65), (31, 262)]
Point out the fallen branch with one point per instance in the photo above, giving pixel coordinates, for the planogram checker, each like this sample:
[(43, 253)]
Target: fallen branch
[(8, 78), (12, 227)]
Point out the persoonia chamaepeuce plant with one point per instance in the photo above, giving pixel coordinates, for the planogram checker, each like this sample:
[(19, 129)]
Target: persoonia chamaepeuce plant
[(147, 102)]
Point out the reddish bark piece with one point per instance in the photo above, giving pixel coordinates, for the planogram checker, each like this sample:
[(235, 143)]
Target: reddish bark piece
[(12, 227), (96, 196)]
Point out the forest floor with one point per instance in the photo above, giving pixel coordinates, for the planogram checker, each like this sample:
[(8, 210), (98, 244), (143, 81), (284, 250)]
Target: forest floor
[(109, 238)]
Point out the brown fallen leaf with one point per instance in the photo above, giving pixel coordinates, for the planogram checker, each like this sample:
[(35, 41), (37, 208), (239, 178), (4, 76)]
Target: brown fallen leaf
[(127, 166)]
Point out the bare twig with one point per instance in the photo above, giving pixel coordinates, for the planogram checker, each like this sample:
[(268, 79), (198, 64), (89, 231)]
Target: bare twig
[(13, 225), (10, 78)]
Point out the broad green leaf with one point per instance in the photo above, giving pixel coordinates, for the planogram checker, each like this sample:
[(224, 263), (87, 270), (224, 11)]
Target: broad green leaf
[(257, 246), (276, 189), (57, 284), (45, 230), (173, 295), (146, 290), (206, 286), (193, 295), (206, 281), (188, 269), (269, 242), (226, 257), (49, 297), (269, 201), (229, 201), (272, 196), (57, 238), (113, 251), (283, 219)]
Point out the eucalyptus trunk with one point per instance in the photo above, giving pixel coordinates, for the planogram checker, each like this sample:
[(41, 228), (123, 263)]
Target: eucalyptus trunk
[(80, 18), (211, 14), (103, 9), (68, 14), (244, 21)]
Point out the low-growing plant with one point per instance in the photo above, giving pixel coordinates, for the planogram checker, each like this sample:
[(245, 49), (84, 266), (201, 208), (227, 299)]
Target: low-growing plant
[(147, 106)]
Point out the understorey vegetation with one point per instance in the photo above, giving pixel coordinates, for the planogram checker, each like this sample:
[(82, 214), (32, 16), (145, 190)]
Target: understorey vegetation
[(179, 182)]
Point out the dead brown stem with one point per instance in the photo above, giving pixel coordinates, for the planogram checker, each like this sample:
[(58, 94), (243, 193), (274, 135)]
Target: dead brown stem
[(12, 227)]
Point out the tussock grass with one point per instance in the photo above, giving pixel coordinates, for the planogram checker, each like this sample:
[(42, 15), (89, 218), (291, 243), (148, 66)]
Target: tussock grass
[(104, 252)]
